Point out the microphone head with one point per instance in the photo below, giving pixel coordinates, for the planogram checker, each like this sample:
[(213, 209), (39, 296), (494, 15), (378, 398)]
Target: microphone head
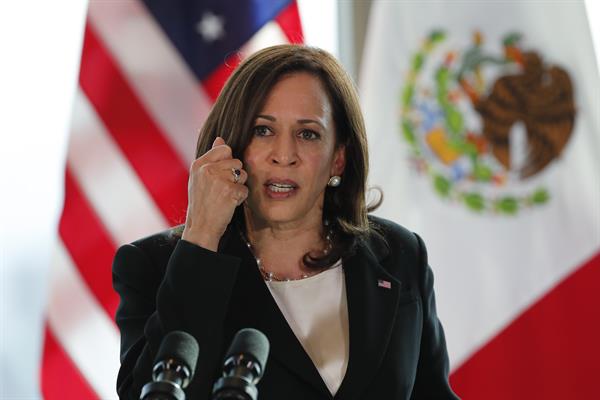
[(251, 343), (180, 346)]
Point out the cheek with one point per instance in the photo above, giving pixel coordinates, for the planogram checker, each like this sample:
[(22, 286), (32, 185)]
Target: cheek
[(249, 162), (253, 176), (320, 165)]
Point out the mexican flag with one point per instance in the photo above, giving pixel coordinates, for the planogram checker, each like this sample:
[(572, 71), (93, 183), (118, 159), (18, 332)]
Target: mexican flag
[(484, 133)]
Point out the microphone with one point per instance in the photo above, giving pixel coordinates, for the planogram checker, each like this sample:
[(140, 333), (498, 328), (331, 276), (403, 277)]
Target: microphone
[(174, 367), (243, 367)]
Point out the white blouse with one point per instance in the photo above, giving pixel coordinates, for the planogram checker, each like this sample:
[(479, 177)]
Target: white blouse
[(317, 312)]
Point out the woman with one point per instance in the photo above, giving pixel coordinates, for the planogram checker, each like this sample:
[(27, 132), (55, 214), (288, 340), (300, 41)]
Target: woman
[(277, 238)]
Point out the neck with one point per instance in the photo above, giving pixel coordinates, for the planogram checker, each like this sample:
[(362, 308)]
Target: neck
[(281, 246)]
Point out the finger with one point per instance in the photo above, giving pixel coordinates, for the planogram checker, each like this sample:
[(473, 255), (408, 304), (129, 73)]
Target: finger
[(218, 142), (216, 167), (229, 191), (224, 170), (232, 175), (241, 194), (221, 152), (238, 176), (228, 164), (243, 177)]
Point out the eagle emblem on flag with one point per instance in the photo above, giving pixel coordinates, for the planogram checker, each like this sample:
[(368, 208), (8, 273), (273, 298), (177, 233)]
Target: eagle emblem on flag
[(483, 123)]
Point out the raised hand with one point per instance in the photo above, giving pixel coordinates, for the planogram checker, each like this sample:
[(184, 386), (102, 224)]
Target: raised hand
[(214, 192)]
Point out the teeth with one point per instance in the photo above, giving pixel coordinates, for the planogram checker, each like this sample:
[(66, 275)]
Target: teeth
[(279, 187)]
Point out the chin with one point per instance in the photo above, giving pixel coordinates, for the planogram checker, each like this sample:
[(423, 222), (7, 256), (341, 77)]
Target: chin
[(279, 215), (269, 211), (274, 214)]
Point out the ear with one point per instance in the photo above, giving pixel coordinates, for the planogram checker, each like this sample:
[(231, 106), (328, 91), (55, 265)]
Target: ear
[(339, 161)]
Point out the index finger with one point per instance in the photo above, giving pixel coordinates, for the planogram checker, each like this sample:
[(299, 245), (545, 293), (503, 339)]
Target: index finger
[(217, 153), (218, 142)]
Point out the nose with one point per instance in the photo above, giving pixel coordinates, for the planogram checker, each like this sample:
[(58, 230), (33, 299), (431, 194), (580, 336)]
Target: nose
[(284, 151)]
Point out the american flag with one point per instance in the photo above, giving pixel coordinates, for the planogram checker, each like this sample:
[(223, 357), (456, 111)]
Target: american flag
[(150, 71), (384, 284)]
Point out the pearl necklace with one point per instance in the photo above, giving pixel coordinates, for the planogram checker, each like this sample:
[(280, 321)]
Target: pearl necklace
[(271, 276)]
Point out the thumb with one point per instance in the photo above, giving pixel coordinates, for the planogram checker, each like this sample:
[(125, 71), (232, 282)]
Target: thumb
[(218, 142)]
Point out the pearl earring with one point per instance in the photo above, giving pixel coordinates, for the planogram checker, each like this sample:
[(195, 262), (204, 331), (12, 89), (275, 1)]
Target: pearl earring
[(334, 181)]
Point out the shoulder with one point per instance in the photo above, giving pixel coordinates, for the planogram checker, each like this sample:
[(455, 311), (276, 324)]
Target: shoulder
[(154, 250), (391, 237), (160, 243), (399, 251)]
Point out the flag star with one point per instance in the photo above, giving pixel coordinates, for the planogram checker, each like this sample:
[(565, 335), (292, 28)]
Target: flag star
[(210, 27)]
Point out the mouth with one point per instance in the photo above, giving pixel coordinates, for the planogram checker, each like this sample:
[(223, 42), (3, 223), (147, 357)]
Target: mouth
[(280, 188)]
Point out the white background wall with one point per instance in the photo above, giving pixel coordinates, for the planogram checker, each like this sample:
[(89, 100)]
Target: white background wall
[(40, 44)]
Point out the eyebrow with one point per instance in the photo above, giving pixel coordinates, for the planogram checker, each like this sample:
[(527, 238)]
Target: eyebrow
[(301, 121)]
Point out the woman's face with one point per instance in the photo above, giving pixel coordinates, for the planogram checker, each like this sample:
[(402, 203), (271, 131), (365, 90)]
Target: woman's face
[(292, 153)]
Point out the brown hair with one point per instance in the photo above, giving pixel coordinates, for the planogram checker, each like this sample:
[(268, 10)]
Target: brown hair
[(243, 96)]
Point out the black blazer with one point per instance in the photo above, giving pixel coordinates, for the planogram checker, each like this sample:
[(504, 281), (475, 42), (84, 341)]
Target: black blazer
[(397, 347)]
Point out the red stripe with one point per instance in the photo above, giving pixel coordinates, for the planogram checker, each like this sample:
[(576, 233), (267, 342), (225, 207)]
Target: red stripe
[(214, 82), (149, 153), (60, 379), (289, 20), (89, 244), (550, 351)]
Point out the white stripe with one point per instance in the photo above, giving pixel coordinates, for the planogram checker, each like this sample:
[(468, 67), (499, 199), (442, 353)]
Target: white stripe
[(82, 327), (269, 35), (106, 178), (154, 68)]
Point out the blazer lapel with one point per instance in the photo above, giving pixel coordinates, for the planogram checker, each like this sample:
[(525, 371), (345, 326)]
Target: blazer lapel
[(256, 308), (373, 297)]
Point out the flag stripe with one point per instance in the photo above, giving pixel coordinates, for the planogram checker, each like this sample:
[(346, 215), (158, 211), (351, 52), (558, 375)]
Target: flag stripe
[(216, 80), (107, 180), (60, 378), (289, 20), (531, 358), (82, 328), (150, 155), (269, 35), (162, 82), (91, 248)]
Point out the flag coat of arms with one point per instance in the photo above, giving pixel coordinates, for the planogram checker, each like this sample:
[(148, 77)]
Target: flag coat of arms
[(150, 71), (484, 134)]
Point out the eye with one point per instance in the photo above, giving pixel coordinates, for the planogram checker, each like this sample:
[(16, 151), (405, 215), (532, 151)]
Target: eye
[(261, 130), (307, 134)]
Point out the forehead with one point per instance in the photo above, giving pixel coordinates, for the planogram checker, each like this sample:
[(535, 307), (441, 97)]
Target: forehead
[(300, 92)]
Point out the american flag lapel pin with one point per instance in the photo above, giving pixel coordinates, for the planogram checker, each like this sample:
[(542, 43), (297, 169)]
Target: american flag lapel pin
[(384, 284)]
